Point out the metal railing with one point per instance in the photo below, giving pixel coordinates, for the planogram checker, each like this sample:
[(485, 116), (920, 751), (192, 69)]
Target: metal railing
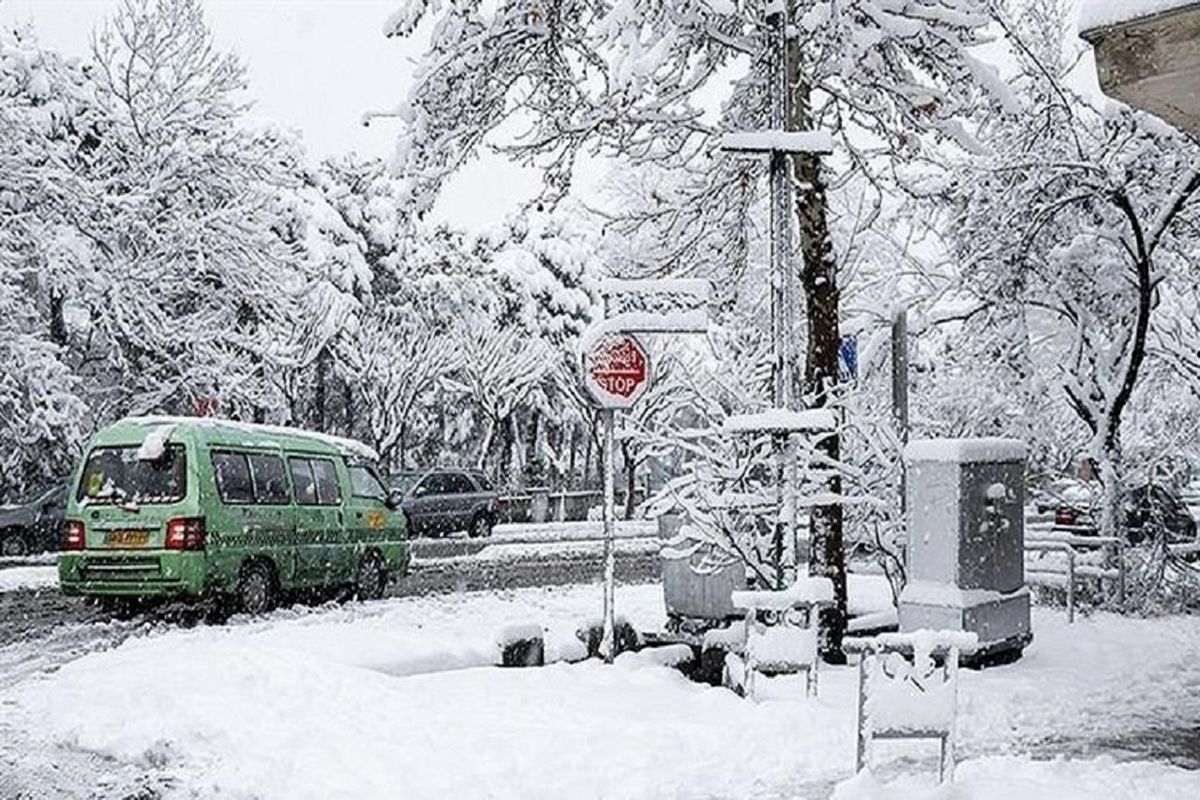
[(1071, 545)]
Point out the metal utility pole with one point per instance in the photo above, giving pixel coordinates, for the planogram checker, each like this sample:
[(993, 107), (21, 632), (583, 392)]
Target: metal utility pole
[(782, 145), (783, 279), (783, 293), (900, 393), (900, 372), (608, 639)]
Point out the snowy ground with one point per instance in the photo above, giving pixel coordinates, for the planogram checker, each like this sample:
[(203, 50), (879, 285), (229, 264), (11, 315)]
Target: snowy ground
[(565, 531), (28, 577), (399, 698)]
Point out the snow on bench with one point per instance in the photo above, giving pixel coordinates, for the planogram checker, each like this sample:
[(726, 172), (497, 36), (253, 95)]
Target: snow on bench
[(806, 591)]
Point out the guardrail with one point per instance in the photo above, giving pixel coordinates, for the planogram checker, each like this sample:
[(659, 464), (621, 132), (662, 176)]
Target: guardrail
[(1069, 544)]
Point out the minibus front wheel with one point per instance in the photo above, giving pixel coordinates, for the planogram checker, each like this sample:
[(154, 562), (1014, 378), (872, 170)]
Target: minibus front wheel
[(371, 580)]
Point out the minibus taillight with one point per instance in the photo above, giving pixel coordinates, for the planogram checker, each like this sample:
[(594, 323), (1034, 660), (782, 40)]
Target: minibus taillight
[(74, 535), (185, 533)]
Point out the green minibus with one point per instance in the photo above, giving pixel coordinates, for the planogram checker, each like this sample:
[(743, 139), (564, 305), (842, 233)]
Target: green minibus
[(200, 508)]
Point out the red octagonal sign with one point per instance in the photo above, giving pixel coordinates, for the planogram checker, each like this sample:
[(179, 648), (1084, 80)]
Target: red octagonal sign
[(616, 371)]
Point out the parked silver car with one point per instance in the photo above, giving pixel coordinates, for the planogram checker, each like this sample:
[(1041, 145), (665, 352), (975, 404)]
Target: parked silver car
[(33, 524), (441, 501)]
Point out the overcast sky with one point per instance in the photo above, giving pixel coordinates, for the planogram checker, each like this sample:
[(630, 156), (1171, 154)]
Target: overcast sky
[(315, 66)]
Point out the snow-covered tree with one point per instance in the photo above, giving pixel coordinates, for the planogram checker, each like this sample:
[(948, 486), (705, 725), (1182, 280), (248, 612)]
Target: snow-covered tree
[(634, 81), (500, 368), (392, 362), (185, 279), (1069, 230)]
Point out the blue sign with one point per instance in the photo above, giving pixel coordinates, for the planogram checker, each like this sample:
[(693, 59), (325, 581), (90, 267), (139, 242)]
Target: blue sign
[(848, 358)]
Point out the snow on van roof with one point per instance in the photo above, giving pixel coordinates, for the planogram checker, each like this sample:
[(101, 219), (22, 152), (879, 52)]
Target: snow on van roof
[(346, 446)]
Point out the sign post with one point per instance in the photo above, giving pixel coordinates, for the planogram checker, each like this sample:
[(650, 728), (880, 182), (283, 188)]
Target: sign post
[(616, 372)]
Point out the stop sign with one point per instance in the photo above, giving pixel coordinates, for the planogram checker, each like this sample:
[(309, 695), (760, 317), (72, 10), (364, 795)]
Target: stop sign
[(616, 371)]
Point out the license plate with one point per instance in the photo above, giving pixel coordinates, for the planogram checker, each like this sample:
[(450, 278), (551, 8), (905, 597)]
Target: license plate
[(127, 538)]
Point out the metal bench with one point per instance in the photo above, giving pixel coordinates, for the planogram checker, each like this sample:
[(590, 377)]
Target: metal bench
[(908, 689), (782, 633)]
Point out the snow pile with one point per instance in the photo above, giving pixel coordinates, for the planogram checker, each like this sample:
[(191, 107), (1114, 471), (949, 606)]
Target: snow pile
[(908, 698), (805, 591), (820, 142), (694, 321), (732, 637), (40, 577), (347, 446), (671, 655), (782, 420), (1097, 14), (155, 443), (948, 595), (311, 724), (340, 702), (783, 645), (1008, 777), (965, 451)]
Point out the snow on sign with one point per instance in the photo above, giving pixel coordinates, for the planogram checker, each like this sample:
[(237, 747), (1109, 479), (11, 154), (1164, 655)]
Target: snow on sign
[(616, 371)]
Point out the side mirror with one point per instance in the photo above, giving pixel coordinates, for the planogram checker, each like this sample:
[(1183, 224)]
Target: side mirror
[(394, 498)]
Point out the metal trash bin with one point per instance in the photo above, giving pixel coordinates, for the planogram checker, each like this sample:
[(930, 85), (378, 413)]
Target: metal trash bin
[(693, 595)]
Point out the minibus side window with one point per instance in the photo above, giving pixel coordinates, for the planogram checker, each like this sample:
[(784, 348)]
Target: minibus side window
[(234, 483), (303, 482), (270, 482), (329, 493), (365, 483)]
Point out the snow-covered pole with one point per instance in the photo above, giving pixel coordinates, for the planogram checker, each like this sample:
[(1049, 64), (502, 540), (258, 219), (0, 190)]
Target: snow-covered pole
[(900, 393), (783, 280), (607, 641), (783, 288), (781, 145), (900, 372)]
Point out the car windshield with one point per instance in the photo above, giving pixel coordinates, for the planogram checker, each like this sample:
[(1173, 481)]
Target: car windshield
[(405, 481), (117, 475)]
